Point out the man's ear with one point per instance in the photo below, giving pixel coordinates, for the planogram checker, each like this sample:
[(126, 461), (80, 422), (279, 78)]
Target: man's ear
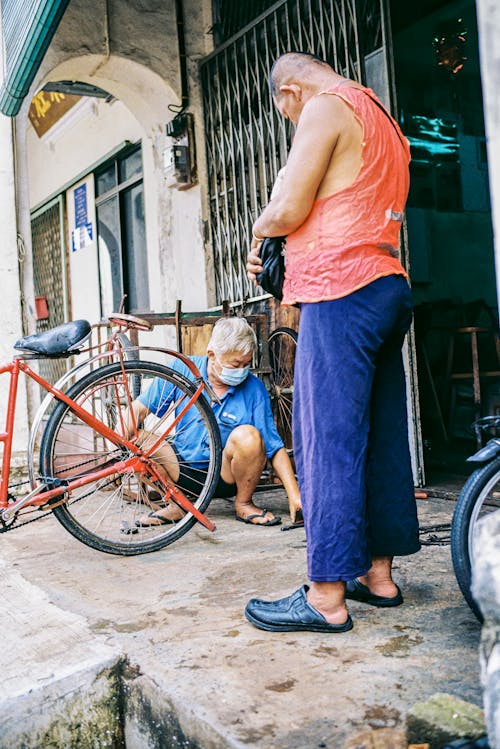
[(292, 88)]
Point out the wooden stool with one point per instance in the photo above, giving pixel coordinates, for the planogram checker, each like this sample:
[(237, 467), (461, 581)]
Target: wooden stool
[(475, 375)]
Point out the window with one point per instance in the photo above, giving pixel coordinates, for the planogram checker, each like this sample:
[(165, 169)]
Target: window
[(121, 232)]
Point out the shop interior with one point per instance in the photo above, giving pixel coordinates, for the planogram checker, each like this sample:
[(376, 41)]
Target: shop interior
[(450, 238)]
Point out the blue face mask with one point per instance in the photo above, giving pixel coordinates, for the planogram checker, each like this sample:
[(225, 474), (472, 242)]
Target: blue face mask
[(233, 377)]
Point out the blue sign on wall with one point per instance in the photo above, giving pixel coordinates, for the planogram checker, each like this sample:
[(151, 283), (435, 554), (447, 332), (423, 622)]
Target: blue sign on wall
[(81, 214)]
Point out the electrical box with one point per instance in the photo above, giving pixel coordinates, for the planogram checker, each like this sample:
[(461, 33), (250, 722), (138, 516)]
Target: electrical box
[(179, 162), (176, 166)]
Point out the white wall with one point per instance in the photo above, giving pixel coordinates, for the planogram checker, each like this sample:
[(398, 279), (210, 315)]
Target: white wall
[(9, 273), (11, 328), (488, 17), (86, 134)]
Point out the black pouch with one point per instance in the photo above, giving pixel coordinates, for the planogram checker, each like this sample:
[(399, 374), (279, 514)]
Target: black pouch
[(272, 254)]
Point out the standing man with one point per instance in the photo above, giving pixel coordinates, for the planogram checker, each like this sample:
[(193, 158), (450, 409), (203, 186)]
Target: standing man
[(340, 205)]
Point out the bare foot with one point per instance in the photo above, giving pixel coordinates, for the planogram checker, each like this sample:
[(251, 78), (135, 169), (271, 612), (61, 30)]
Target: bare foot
[(329, 599), (243, 511), (385, 588), (378, 579), (171, 513)]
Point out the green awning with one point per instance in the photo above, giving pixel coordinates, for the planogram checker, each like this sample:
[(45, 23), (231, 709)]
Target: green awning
[(28, 27)]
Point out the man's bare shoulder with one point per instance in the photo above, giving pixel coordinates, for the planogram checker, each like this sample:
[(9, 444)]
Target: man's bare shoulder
[(327, 111)]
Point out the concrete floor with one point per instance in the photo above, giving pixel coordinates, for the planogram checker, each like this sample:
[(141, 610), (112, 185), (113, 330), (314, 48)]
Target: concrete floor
[(178, 616)]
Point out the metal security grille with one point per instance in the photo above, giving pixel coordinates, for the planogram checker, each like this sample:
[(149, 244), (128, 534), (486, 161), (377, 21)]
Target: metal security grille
[(246, 140), (230, 16), (48, 277)]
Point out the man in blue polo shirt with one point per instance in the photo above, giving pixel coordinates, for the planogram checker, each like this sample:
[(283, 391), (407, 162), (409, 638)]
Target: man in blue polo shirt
[(247, 428)]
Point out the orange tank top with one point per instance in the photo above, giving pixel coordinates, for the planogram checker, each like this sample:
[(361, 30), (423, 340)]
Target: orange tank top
[(351, 237)]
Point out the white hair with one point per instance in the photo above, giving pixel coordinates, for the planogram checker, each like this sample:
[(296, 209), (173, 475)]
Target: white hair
[(232, 334)]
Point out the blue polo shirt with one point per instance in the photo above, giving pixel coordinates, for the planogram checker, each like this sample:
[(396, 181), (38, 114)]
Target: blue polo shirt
[(247, 403)]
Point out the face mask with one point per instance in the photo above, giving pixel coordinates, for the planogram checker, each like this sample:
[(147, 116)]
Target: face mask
[(233, 376)]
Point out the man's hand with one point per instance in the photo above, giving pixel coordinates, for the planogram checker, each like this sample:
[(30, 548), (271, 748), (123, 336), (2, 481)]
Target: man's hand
[(295, 508), (133, 418), (254, 263)]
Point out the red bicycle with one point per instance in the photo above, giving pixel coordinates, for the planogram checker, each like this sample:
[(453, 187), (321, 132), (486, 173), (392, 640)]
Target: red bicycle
[(97, 469)]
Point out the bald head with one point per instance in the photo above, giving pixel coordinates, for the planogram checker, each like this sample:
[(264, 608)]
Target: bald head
[(296, 66)]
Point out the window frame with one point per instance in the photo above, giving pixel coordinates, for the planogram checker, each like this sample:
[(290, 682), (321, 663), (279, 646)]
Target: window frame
[(117, 192)]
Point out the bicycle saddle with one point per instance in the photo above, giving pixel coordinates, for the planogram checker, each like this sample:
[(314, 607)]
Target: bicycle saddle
[(57, 341)]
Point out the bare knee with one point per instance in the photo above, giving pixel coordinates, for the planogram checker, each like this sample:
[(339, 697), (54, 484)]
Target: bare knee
[(246, 440)]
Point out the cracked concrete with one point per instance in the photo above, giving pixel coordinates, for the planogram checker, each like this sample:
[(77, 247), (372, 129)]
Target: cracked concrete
[(178, 617)]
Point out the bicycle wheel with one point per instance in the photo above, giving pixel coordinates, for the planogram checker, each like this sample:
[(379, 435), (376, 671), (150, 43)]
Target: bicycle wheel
[(282, 344), (479, 496), (102, 513)]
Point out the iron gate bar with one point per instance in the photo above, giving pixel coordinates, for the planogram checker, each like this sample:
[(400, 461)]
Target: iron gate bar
[(246, 141), (49, 275)]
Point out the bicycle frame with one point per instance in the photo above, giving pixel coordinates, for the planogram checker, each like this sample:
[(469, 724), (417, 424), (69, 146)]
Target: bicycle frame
[(109, 354), (139, 462)]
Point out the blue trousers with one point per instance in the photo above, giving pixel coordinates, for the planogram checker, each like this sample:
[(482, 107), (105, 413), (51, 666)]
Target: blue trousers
[(351, 431)]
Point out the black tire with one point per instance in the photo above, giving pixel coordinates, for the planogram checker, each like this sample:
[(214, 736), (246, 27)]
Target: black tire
[(477, 497), (282, 345), (102, 514)]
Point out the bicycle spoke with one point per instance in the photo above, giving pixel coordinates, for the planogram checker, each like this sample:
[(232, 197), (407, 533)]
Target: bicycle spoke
[(103, 513), (282, 345)]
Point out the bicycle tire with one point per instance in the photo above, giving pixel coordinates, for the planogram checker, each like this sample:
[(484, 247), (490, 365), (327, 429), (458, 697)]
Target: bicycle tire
[(471, 501), (107, 523), (131, 353), (282, 345)]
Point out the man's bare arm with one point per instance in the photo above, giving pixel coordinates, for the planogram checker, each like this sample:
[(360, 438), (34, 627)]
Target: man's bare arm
[(321, 122), (284, 471), (140, 411)]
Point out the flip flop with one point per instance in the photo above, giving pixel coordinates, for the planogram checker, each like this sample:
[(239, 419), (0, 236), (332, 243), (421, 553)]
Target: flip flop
[(356, 591), (157, 516), (249, 518)]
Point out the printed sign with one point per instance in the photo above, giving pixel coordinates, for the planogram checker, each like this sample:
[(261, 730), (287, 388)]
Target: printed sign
[(47, 108), (82, 234), (80, 198), (81, 237)]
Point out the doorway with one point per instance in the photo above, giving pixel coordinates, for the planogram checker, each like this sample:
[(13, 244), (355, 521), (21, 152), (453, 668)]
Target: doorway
[(450, 236)]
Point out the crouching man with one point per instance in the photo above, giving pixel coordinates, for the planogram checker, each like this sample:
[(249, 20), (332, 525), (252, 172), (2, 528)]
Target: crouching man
[(248, 432)]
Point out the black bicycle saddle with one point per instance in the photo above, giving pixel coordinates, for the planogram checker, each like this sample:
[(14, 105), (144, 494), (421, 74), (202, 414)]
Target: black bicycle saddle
[(57, 341)]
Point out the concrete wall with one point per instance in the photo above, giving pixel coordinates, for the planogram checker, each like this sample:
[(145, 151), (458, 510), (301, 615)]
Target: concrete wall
[(132, 53), (488, 17), (130, 49), (486, 592), (9, 273)]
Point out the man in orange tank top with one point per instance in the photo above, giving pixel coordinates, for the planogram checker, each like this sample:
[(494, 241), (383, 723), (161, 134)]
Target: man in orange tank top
[(340, 204)]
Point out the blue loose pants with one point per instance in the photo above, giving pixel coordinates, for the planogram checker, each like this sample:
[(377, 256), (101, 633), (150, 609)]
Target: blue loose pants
[(351, 430)]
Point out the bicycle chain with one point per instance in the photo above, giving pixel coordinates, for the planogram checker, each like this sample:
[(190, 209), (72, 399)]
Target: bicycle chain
[(44, 479), (47, 513), (434, 539)]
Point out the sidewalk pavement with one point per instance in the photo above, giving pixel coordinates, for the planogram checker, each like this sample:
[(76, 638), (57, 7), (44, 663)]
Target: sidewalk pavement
[(177, 615)]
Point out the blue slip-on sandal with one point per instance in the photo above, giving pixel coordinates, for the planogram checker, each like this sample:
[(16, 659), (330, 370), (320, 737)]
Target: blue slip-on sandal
[(291, 614)]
